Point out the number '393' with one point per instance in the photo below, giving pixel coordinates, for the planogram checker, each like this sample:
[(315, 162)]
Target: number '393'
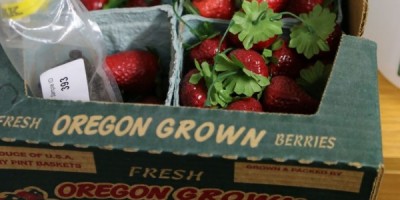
[(64, 84)]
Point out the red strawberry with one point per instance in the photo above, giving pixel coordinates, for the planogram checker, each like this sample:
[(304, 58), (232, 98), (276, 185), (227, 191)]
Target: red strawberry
[(247, 104), (94, 4), (252, 60), (220, 9), (286, 61), (260, 46), (234, 40), (207, 49), (135, 70), (275, 5), (194, 95), (302, 6), (284, 95), (142, 3)]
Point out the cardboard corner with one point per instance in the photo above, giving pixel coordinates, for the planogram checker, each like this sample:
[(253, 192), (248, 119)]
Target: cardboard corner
[(355, 12), (377, 183)]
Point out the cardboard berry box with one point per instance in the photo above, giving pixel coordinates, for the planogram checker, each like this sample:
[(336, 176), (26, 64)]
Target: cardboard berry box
[(99, 150)]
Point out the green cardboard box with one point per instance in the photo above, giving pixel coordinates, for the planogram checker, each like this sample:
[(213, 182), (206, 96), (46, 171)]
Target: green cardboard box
[(99, 150)]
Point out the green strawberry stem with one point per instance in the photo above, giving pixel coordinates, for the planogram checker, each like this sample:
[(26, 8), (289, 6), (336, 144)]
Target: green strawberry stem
[(293, 15), (300, 19), (190, 8), (114, 4), (204, 34), (191, 29), (224, 36), (310, 28), (260, 17)]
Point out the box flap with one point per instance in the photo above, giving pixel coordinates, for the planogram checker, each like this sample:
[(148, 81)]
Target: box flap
[(355, 12)]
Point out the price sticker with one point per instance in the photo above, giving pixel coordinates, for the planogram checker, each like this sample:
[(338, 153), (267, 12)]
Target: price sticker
[(66, 82)]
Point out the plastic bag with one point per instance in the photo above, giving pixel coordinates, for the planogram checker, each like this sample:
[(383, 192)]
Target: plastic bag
[(57, 49)]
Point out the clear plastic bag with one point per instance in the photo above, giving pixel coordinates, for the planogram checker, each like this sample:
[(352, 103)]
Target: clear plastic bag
[(39, 36)]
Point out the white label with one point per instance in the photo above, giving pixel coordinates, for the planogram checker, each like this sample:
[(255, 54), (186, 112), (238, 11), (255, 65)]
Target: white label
[(66, 82)]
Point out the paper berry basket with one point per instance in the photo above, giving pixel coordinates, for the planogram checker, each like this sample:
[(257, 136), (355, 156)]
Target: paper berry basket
[(154, 27), (287, 41)]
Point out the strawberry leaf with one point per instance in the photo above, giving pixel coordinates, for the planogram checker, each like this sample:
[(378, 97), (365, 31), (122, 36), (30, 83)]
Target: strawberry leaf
[(219, 95), (267, 53), (246, 85), (241, 81), (231, 78), (195, 78), (277, 44), (204, 72), (224, 63), (257, 22), (313, 79), (309, 37)]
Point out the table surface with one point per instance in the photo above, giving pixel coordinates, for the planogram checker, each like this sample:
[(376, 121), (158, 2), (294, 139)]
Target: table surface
[(389, 97)]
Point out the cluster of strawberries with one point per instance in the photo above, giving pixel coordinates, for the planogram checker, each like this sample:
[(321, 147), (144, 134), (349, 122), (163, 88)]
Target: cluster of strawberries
[(257, 65), (225, 9), (107, 4)]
